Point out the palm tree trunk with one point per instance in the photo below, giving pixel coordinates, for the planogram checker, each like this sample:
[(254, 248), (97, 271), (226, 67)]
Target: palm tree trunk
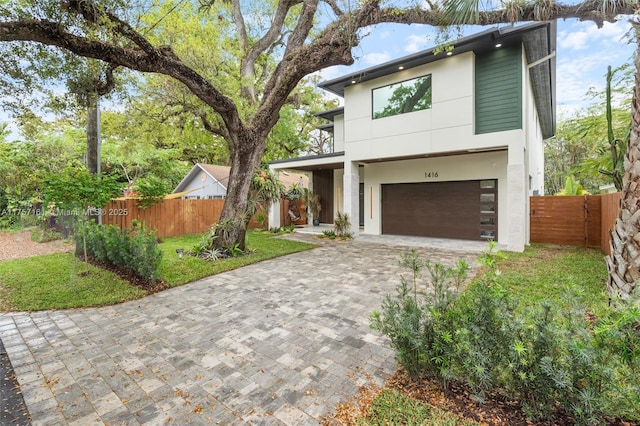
[(624, 261)]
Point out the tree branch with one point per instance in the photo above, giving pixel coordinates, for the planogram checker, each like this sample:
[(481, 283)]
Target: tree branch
[(163, 62), (93, 14), (334, 7), (247, 67), (305, 23)]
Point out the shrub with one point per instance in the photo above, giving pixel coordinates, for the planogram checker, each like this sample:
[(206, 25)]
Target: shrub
[(135, 250), (329, 233), (413, 318), (546, 358), (342, 225)]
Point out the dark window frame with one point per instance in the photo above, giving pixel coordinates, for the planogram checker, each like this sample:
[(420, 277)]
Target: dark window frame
[(378, 115)]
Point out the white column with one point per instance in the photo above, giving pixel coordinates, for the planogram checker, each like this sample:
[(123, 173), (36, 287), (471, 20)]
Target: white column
[(274, 215), (517, 203), (352, 195)]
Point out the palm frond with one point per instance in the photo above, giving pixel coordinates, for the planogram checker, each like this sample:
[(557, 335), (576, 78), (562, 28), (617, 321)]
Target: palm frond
[(611, 7), (459, 12)]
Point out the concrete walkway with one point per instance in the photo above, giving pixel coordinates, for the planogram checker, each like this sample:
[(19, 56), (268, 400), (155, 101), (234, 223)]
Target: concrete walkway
[(278, 342)]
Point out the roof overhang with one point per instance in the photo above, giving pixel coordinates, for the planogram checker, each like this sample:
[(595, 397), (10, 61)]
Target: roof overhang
[(330, 114), (538, 38), (330, 161)]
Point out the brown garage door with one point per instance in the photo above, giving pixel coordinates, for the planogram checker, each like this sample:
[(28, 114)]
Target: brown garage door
[(465, 210)]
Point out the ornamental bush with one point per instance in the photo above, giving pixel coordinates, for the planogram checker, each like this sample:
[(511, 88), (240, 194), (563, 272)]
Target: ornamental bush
[(545, 357), (134, 249)]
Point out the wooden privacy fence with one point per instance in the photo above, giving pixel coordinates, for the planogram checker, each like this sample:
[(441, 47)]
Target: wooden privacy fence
[(169, 218), (581, 220)]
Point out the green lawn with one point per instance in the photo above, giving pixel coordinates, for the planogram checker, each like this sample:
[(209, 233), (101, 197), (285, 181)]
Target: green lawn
[(264, 246), (551, 272), (59, 281)]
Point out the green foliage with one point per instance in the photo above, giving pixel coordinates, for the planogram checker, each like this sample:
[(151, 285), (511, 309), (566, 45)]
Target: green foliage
[(314, 204), (329, 233), (591, 144), (59, 281), (391, 407), (572, 187), (262, 246), (135, 249), (266, 188), (206, 248), (295, 192), (545, 356), (151, 191), (412, 318), (609, 160), (77, 189), (44, 234), (342, 225)]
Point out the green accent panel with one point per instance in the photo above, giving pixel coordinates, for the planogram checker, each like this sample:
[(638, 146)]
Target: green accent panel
[(499, 90)]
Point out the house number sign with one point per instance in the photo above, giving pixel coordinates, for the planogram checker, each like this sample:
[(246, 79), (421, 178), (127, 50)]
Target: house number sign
[(430, 175)]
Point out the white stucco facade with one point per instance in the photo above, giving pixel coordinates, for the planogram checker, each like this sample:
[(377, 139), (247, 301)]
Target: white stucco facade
[(438, 144)]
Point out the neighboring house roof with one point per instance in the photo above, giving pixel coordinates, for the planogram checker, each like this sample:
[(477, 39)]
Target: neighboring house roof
[(288, 179), (539, 40), (221, 174)]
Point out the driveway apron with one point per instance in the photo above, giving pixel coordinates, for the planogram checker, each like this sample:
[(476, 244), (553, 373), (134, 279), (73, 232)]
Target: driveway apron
[(278, 342)]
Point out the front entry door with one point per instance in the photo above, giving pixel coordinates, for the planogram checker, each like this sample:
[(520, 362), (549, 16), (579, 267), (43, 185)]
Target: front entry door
[(323, 186)]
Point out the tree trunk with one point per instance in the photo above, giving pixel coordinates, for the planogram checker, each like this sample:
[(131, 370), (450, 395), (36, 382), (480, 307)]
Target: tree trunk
[(92, 133), (624, 261), (234, 219)]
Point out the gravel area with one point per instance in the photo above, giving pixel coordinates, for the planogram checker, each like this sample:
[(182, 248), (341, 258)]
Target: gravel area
[(16, 245)]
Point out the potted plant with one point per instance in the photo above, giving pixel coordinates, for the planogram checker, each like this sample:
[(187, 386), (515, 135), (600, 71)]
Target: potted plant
[(314, 206), (296, 210)]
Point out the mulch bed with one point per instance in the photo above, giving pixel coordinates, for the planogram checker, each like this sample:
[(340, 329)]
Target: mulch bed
[(495, 411), (147, 285), (13, 409)]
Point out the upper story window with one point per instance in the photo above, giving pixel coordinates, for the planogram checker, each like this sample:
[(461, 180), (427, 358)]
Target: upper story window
[(399, 98)]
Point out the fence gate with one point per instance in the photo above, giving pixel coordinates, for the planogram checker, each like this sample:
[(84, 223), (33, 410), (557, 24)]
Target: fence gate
[(577, 220), (566, 220)]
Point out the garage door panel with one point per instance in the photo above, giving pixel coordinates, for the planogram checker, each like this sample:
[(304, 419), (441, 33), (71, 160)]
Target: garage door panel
[(433, 209)]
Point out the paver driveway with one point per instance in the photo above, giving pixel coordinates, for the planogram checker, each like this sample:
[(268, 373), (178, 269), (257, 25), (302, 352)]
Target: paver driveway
[(278, 342)]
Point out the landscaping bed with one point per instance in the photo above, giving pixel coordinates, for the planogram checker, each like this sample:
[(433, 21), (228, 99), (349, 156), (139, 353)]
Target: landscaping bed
[(18, 245)]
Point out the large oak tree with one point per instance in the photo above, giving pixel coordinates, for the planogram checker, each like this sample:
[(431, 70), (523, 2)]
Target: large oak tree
[(304, 35)]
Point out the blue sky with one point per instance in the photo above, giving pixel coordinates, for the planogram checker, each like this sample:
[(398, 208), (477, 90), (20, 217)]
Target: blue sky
[(583, 54)]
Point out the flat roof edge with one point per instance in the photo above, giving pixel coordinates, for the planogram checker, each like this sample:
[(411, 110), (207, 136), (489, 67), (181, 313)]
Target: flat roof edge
[(309, 158)]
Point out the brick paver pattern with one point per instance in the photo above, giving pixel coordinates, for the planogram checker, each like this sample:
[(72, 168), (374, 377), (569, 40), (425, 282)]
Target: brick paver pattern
[(279, 342)]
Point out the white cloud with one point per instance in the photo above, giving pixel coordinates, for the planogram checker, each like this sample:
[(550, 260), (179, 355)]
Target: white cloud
[(376, 58), (575, 41), (583, 54), (586, 35), (415, 43)]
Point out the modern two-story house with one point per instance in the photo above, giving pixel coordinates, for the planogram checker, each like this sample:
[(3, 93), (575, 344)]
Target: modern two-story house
[(442, 143)]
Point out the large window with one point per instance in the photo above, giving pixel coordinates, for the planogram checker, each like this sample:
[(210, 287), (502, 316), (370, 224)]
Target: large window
[(399, 98)]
